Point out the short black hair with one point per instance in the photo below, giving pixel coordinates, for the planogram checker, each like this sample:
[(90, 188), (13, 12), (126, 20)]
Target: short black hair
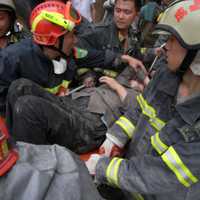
[(138, 3)]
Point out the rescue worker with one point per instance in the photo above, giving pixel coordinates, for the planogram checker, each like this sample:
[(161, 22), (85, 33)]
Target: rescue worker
[(78, 122), (49, 59), (162, 159), (39, 172), (9, 30), (117, 36)]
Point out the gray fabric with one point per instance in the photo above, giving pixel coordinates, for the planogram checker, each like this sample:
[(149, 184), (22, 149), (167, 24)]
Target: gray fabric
[(47, 173), (103, 99)]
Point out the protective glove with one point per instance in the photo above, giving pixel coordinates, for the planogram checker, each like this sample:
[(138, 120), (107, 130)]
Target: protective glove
[(110, 149), (92, 162)]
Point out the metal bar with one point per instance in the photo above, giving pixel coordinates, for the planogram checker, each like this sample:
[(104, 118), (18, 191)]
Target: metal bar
[(156, 58), (76, 89)]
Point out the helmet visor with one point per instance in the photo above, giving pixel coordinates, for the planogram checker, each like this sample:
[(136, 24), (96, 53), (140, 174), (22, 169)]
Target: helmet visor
[(72, 14)]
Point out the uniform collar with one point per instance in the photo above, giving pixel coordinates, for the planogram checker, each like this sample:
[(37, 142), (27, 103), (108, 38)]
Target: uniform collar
[(119, 38), (189, 110), (169, 83)]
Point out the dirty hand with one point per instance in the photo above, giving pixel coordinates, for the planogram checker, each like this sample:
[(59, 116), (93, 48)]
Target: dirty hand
[(134, 63), (92, 162)]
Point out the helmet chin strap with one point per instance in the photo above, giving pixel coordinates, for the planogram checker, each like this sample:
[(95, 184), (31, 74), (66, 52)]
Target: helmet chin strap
[(187, 62)]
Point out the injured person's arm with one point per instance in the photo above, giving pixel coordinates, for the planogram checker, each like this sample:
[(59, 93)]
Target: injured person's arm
[(114, 85)]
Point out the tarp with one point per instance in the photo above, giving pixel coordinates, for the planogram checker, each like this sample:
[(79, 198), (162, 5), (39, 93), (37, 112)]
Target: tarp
[(47, 173)]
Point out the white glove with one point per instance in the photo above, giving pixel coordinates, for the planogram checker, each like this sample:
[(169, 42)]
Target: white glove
[(111, 147), (92, 162)]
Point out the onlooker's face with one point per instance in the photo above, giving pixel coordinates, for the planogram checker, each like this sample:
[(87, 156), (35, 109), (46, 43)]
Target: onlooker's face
[(124, 13), (4, 22), (175, 53), (69, 42)]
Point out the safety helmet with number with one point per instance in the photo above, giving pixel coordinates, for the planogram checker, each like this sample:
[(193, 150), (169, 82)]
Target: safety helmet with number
[(181, 19), (50, 20)]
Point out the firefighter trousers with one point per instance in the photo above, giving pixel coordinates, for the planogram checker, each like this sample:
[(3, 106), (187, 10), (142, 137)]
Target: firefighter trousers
[(38, 117)]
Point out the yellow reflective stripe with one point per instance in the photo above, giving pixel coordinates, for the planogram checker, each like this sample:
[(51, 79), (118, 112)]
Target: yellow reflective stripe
[(137, 196), (53, 17), (110, 73), (83, 70), (158, 145), (65, 83), (55, 89), (35, 22), (150, 112), (157, 123), (173, 161), (146, 109), (58, 19), (143, 50), (140, 102), (112, 171), (126, 125)]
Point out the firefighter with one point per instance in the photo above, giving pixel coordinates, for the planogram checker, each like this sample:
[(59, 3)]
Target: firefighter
[(117, 36), (50, 59), (9, 29), (162, 159)]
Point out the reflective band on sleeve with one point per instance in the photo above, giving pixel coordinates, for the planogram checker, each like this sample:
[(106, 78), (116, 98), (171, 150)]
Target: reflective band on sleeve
[(146, 109), (65, 83), (35, 22), (158, 145), (157, 123), (112, 171), (56, 89), (173, 161), (150, 112), (83, 70), (137, 196), (126, 125)]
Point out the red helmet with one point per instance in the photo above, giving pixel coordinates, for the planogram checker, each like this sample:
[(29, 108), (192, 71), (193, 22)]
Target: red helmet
[(52, 19)]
